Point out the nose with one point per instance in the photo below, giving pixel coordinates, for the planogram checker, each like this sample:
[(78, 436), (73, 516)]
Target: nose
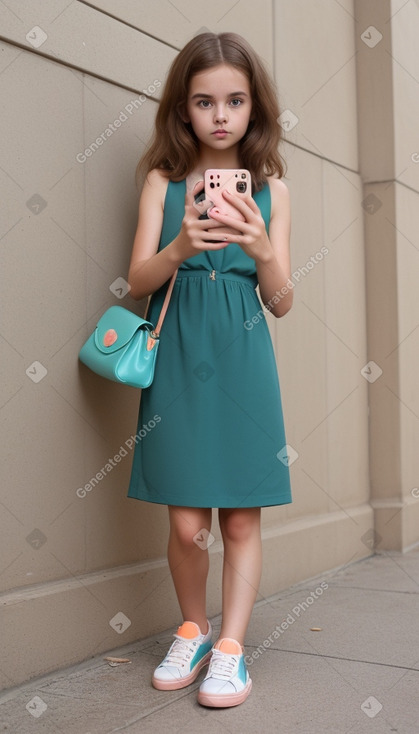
[(220, 114)]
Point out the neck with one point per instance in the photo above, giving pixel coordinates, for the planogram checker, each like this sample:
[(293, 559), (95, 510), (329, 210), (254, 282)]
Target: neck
[(210, 158)]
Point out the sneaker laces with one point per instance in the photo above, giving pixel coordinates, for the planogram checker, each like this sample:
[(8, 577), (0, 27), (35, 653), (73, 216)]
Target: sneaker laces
[(180, 652), (222, 665)]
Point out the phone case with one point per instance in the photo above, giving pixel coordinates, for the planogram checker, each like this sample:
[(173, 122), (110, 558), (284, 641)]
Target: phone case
[(235, 180)]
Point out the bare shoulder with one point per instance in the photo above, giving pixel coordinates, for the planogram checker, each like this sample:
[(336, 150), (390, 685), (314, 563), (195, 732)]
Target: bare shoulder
[(278, 184), (280, 196), (155, 186)]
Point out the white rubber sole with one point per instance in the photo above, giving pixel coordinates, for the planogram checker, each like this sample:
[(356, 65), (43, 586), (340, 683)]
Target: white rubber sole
[(219, 700), (176, 683)]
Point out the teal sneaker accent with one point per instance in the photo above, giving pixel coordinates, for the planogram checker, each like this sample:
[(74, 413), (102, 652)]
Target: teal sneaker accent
[(188, 654), (227, 682), (203, 649), (242, 670)]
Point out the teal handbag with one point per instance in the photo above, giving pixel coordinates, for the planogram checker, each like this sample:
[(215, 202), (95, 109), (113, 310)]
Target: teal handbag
[(123, 346)]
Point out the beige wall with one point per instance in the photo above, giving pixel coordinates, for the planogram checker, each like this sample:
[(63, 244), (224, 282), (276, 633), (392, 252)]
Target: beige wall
[(70, 564)]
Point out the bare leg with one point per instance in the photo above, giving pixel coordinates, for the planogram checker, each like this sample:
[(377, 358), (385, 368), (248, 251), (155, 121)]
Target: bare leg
[(242, 568), (188, 562)]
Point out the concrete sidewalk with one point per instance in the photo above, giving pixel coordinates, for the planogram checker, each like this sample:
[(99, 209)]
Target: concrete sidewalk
[(359, 673)]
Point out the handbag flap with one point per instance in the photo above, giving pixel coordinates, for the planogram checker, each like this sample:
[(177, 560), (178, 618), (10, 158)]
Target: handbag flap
[(116, 327)]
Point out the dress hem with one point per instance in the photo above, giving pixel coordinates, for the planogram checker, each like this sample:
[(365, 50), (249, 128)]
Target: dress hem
[(263, 503)]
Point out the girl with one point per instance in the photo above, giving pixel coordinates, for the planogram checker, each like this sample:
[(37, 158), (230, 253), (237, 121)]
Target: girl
[(218, 436)]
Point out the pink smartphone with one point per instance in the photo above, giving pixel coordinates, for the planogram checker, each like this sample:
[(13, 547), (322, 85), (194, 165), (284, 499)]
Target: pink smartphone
[(235, 180)]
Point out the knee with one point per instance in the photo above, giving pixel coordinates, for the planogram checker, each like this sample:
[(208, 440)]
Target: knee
[(239, 525), (186, 536), (186, 528)]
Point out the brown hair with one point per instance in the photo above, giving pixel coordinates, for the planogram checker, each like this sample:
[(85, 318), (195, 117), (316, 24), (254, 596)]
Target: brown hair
[(174, 146)]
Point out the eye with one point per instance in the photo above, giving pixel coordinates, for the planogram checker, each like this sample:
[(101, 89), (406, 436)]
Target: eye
[(203, 103), (239, 102)]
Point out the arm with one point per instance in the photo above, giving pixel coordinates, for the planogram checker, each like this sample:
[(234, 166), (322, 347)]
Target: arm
[(150, 269), (274, 266), (271, 254)]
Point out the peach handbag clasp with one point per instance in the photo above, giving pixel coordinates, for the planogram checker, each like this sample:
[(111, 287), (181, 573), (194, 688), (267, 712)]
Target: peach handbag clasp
[(110, 337)]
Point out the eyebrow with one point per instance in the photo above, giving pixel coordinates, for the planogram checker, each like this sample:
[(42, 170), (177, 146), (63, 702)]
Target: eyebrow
[(210, 96)]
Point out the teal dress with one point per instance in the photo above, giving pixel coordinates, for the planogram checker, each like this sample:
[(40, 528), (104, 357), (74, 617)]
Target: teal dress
[(210, 427)]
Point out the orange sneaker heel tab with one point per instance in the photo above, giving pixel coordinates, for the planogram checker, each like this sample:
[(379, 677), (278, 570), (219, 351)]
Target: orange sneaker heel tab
[(188, 630), (229, 646)]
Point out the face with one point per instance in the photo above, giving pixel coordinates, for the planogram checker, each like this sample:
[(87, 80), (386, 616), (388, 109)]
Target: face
[(219, 99)]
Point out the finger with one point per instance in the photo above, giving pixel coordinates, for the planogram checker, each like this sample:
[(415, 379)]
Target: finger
[(196, 198), (228, 232), (238, 225), (216, 245), (210, 224), (241, 201), (208, 241), (190, 195), (214, 235), (203, 206)]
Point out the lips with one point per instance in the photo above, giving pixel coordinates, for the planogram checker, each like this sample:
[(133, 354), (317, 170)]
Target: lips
[(220, 133)]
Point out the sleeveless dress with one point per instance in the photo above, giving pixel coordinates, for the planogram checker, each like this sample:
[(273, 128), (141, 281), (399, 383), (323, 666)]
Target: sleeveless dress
[(210, 428)]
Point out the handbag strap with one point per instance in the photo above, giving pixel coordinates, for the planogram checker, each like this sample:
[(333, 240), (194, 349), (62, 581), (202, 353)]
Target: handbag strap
[(155, 334)]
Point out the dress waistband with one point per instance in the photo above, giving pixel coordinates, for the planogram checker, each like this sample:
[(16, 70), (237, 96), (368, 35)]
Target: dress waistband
[(216, 275)]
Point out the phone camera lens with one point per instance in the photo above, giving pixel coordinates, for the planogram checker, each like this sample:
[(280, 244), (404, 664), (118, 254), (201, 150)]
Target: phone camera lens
[(212, 185), (241, 187)]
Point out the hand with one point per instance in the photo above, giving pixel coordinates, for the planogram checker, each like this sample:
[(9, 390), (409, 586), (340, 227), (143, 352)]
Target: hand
[(197, 235), (251, 234)]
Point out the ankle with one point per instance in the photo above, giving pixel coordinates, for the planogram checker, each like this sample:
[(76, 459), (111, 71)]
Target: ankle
[(205, 627)]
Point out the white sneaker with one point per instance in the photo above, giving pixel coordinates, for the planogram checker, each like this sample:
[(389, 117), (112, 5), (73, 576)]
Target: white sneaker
[(188, 654), (227, 682)]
